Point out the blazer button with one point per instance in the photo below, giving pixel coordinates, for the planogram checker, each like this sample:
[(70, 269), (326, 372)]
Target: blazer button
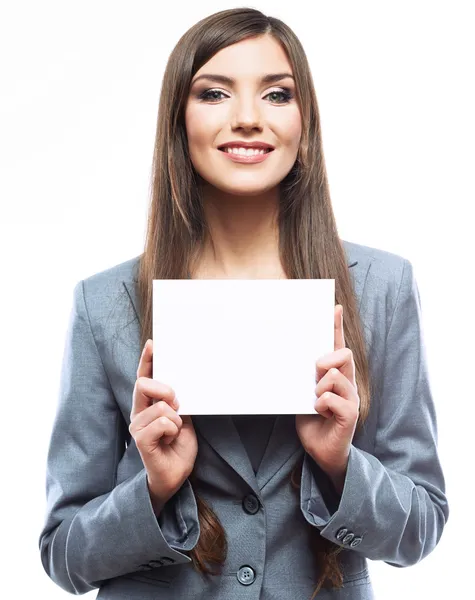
[(347, 539), (246, 575), (250, 504), (356, 542), (341, 533)]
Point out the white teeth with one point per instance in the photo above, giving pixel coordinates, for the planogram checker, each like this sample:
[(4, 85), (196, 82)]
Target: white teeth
[(245, 151)]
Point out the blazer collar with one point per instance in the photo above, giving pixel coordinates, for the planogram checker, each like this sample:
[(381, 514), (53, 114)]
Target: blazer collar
[(221, 433)]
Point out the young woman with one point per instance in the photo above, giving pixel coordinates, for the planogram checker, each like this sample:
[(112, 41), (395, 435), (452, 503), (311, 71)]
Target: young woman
[(145, 503)]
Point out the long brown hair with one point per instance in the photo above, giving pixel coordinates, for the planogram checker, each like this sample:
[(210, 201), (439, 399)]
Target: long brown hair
[(309, 244)]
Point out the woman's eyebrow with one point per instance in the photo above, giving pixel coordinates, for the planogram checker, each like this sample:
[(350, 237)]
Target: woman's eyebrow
[(269, 78)]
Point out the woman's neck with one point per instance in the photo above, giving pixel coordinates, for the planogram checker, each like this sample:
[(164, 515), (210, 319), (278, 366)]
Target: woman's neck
[(255, 271), (243, 238)]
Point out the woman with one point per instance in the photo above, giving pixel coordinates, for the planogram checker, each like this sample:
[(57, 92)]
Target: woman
[(145, 503)]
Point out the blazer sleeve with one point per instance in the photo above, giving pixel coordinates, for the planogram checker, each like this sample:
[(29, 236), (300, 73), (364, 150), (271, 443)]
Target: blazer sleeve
[(95, 530), (393, 505)]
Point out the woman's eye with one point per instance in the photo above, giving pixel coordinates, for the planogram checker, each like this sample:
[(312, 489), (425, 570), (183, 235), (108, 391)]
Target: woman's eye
[(206, 95), (285, 94)]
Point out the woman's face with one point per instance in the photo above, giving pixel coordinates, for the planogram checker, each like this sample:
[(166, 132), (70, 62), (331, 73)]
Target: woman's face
[(249, 110)]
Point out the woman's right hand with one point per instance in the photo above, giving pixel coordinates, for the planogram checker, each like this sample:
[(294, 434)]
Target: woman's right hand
[(166, 442)]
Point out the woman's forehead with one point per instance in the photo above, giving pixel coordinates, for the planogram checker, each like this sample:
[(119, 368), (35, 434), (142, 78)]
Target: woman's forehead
[(248, 59)]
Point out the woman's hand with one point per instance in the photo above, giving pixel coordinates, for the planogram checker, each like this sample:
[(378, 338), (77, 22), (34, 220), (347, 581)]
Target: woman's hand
[(327, 436), (166, 442)]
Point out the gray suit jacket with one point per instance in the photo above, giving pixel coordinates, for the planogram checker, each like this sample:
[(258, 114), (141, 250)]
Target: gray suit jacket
[(100, 530)]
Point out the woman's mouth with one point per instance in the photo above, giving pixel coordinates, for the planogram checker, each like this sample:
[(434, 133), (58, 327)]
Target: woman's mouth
[(243, 155)]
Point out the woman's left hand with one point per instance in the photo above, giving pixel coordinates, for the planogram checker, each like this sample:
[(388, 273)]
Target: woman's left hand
[(327, 436)]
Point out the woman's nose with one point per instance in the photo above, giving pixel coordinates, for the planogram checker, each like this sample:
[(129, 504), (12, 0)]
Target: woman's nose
[(247, 115)]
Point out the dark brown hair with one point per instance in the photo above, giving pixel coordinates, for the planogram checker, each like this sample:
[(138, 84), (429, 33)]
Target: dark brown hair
[(309, 244)]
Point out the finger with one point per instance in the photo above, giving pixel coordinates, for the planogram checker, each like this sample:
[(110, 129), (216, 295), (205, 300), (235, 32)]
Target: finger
[(345, 413), (148, 437), (341, 359), (335, 381), (146, 360), (186, 422), (160, 409), (147, 391), (327, 414), (339, 334)]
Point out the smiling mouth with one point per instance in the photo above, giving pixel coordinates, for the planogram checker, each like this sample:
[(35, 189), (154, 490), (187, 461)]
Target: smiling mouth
[(266, 151)]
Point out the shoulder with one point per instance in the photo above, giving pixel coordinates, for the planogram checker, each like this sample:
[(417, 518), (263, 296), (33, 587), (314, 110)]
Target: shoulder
[(124, 271), (379, 277), (107, 290), (380, 266), (388, 299), (381, 261)]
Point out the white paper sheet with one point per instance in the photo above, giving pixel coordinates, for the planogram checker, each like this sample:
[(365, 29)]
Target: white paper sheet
[(240, 346)]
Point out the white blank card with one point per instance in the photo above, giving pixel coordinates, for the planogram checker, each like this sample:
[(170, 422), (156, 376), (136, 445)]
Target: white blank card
[(239, 346)]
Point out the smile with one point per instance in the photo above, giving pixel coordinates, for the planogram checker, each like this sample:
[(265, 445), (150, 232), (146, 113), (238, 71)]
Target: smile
[(246, 155)]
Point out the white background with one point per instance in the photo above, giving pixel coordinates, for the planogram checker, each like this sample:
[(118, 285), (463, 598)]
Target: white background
[(80, 86)]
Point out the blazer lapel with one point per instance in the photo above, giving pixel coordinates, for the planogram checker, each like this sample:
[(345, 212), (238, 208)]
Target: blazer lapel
[(220, 431)]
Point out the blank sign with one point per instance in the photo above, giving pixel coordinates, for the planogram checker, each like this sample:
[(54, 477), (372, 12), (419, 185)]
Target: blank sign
[(239, 346)]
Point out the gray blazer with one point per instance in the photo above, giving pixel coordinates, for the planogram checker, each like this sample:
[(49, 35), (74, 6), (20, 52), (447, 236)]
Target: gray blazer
[(100, 530)]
